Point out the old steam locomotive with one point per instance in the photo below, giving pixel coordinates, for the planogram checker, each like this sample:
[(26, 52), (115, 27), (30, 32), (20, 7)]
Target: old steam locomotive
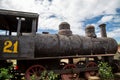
[(37, 52)]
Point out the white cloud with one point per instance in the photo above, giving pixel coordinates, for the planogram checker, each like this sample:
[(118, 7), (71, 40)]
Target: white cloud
[(115, 33), (72, 11), (105, 19), (116, 19)]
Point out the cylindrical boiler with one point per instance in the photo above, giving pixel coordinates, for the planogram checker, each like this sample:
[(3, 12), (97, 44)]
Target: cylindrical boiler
[(53, 45)]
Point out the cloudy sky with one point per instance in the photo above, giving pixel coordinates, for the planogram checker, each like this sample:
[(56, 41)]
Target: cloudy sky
[(78, 13)]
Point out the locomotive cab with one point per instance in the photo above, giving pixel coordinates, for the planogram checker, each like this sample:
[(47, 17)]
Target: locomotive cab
[(17, 30)]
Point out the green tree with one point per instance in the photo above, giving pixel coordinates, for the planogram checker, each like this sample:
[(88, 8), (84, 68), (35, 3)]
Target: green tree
[(46, 76), (4, 74), (105, 71)]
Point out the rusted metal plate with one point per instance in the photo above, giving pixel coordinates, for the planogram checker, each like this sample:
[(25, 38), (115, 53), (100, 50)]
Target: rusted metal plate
[(13, 47), (27, 46)]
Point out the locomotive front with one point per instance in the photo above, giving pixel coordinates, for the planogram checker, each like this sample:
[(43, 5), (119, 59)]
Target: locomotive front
[(67, 44)]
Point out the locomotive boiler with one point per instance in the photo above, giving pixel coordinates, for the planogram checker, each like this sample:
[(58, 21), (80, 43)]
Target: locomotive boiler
[(36, 52), (67, 44)]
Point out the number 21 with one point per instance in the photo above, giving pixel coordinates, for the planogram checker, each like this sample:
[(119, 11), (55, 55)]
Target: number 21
[(8, 47)]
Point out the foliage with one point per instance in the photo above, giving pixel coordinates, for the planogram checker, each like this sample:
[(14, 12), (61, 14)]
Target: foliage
[(105, 71), (33, 77), (5, 73), (46, 76)]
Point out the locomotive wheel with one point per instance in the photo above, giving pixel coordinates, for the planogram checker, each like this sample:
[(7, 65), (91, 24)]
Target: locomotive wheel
[(90, 73), (35, 71), (70, 76)]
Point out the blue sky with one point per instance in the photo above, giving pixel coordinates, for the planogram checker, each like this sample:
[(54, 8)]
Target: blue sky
[(78, 13)]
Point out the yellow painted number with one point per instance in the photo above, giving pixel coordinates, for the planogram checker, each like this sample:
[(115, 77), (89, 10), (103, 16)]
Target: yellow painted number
[(8, 47)]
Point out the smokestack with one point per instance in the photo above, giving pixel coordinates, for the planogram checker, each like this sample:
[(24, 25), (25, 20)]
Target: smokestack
[(103, 30)]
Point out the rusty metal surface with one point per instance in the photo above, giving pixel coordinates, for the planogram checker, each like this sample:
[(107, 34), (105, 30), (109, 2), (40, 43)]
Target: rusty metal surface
[(59, 45)]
